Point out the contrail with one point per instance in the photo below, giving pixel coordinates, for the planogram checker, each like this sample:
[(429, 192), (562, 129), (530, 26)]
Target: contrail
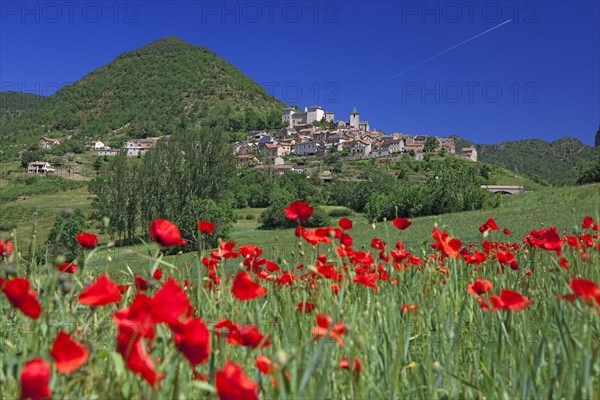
[(434, 56)]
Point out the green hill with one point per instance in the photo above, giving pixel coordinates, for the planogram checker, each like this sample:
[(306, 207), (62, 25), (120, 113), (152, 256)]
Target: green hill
[(557, 162), (13, 104), (161, 88)]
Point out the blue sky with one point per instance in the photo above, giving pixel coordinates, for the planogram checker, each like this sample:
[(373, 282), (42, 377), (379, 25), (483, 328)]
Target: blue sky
[(535, 76)]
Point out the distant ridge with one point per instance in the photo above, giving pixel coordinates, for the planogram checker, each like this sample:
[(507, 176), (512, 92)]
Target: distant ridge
[(557, 162)]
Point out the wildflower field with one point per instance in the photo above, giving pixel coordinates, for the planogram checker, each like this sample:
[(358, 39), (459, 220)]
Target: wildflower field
[(504, 316)]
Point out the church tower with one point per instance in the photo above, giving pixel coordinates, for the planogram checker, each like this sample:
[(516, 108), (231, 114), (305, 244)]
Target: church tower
[(354, 118)]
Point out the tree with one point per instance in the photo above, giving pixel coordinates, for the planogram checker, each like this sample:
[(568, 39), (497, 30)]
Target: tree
[(62, 239), (431, 144), (590, 174)]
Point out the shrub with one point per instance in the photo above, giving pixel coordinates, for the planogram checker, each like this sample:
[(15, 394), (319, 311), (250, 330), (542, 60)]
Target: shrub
[(340, 212)]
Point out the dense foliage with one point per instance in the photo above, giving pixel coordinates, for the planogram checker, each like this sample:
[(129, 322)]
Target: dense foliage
[(590, 173), (165, 182), (62, 237), (12, 104)]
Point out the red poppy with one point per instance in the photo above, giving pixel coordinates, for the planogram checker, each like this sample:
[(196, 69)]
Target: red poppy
[(448, 247), (157, 274), (585, 289), (298, 210), (286, 279), (102, 292), (244, 288), (35, 378), (169, 303), (315, 236), (406, 308), (165, 233), (135, 322), (68, 354), (480, 286), (141, 283), (367, 280), (17, 291), (193, 340), (587, 222), (265, 365), (87, 240), (506, 231), (206, 227), (401, 223), (564, 263), (69, 268), (225, 251), (139, 361), (335, 288), (306, 307), (509, 300), (345, 364), (243, 335), (345, 223), (324, 322), (233, 384), (490, 224), (6, 248)]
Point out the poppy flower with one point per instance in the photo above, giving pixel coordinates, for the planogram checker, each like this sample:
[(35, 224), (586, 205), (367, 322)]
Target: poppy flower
[(87, 240), (141, 283), (324, 322), (193, 340), (564, 263), (242, 335), (169, 303), (244, 288), (165, 233), (306, 307), (17, 291), (401, 223), (286, 279), (367, 280), (489, 225), (345, 223), (345, 364), (157, 274), (232, 383), (225, 251), (102, 292), (506, 231), (587, 222), (407, 308), (139, 361), (583, 288), (480, 286), (35, 378), (67, 353), (298, 210), (69, 268), (448, 247), (6, 248), (206, 227), (509, 300), (265, 365)]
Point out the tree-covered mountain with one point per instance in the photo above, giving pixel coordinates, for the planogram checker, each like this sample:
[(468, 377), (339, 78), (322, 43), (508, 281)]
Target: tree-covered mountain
[(557, 162), (161, 88), (13, 104)]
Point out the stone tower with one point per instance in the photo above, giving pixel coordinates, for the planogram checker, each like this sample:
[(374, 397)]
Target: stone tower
[(354, 118)]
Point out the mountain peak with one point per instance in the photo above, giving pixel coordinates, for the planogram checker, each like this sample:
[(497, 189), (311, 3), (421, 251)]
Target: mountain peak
[(168, 44)]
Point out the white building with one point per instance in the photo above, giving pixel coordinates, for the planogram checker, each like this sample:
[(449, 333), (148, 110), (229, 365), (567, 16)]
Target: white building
[(314, 113), (39, 167), (305, 149), (354, 118), (291, 117)]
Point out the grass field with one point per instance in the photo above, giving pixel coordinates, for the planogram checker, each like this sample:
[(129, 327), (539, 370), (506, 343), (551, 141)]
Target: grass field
[(414, 328)]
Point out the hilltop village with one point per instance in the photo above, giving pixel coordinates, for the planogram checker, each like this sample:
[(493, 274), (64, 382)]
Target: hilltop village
[(315, 133), (312, 133)]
